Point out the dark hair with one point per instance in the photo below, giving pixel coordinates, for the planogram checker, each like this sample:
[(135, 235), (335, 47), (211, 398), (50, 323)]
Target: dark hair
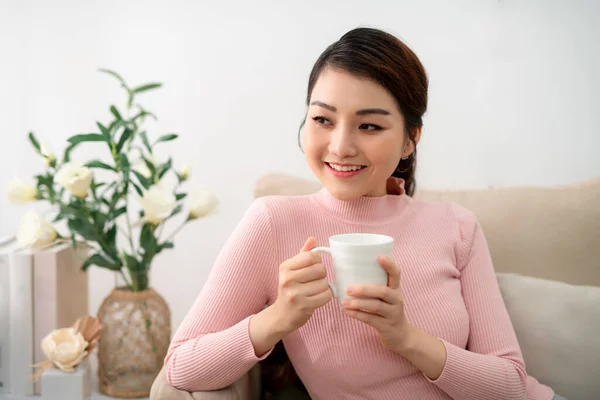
[(382, 57)]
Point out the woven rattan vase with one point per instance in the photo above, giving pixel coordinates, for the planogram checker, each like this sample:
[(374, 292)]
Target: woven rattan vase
[(136, 332)]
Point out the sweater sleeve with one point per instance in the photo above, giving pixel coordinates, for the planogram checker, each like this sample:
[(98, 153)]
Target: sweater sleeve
[(211, 348), (492, 366)]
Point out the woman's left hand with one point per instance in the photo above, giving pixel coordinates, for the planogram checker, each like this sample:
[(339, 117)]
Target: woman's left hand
[(382, 307)]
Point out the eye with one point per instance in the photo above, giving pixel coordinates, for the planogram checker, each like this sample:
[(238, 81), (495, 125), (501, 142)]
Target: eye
[(321, 120), (370, 127)]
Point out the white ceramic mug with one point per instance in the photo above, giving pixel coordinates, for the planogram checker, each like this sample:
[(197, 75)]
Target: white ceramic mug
[(355, 260)]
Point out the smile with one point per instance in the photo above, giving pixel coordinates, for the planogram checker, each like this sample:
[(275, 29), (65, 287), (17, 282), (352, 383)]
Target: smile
[(344, 171), (345, 168)]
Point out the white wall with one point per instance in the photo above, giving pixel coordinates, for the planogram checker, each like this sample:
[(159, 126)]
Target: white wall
[(515, 94)]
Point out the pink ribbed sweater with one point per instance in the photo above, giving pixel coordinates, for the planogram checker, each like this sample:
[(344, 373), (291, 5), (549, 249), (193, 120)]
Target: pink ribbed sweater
[(449, 288)]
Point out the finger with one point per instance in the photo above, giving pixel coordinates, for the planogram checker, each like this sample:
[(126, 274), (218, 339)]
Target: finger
[(375, 321), (313, 288), (309, 274), (320, 299), (372, 306), (380, 292), (310, 244), (302, 260), (389, 265)]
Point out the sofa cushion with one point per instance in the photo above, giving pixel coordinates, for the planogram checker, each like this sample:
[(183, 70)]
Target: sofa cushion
[(558, 327), (545, 232)]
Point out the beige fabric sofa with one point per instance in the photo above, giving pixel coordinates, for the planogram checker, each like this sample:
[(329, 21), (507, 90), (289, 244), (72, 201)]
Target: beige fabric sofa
[(545, 243)]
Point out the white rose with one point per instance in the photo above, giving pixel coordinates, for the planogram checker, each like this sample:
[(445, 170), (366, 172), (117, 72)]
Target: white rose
[(184, 173), (65, 347), (203, 203), (158, 204), (35, 231), (75, 178), (19, 192)]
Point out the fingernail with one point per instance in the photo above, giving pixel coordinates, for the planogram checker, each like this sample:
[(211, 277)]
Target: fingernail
[(350, 290)]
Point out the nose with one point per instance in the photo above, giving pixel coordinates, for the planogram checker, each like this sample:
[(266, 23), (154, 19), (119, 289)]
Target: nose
[(342, 143)]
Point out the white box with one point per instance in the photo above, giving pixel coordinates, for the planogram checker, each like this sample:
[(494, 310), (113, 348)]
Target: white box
[(60, 385)]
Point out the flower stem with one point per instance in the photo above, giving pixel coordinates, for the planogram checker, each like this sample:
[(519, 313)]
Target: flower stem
[(124, 278), (176, 231)]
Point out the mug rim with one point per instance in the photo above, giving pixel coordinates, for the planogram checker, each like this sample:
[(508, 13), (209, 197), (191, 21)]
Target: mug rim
[(385, 239)]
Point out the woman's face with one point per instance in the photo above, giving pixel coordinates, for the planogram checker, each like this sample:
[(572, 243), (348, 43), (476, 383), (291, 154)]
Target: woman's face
[(354, 135)]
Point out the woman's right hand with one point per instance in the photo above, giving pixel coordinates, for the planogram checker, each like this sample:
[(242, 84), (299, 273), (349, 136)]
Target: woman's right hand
[(302, 287)]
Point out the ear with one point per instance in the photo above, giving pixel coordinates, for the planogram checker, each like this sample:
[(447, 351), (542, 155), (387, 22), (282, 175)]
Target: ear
[(411, 145)]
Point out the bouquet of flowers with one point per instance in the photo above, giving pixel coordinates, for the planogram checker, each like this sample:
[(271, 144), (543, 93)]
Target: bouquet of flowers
[(98, 211)]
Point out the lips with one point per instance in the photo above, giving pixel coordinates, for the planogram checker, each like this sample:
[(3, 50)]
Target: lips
[(344, 171), (345, 167)]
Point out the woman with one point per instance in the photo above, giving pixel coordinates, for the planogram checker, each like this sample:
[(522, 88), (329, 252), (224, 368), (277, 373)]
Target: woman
[(438, 330)]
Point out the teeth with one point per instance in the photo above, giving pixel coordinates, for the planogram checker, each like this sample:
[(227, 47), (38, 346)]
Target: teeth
[(345, 168)]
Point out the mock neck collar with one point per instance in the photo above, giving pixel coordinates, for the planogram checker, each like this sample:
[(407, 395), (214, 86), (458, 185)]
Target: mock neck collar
[(364, 209)]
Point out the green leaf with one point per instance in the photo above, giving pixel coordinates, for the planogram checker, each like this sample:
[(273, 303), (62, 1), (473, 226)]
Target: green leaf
[(73, 211), (115, 125), (87, 137), (162, 170), (45, 180), (144, 88), (143, 114), (180, 196), (124, 137), (111, 240), (150, 166), (145, 141), (142, 179), (99, 164), (133, 263), (148, 242), (34, 142), (67, 153), (111, 235), (125, 166), (116, 196), (166, 138), (116, 113), (130, 97), (147, 236), (84, 228), (99, 220), (118, 212), (176, 211), (105, 131), (100, 261), (138, 189), (107, 71), (59, 217), (165, 245)]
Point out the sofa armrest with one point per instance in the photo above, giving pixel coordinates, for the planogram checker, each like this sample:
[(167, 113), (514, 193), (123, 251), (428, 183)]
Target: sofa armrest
[(239, 390)]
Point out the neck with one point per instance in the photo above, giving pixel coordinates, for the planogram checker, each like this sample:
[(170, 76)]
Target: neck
[(363, 209)]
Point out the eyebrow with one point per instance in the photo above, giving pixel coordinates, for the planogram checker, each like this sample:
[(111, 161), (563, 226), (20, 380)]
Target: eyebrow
[(366, 111)]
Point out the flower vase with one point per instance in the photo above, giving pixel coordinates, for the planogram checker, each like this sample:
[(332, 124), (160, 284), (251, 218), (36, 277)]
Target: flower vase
[(136, 332)]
